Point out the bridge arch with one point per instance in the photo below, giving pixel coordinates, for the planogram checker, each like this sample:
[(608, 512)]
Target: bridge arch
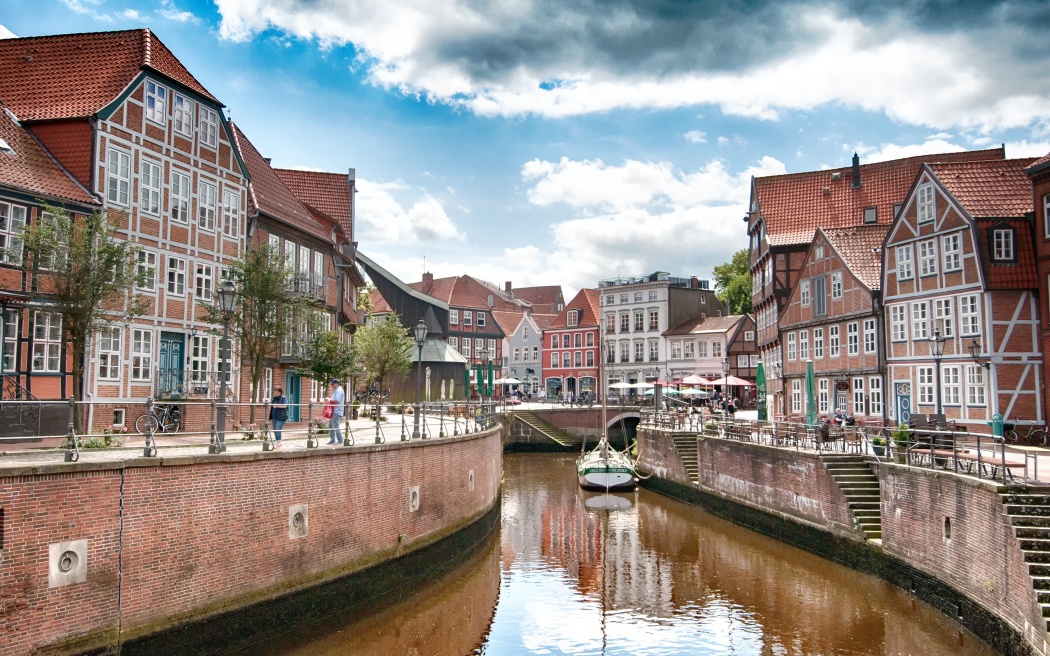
[(622, 428)]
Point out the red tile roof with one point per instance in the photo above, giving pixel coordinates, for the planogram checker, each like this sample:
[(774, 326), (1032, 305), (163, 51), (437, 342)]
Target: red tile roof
[(507, 321), (1038, 165), (794, 205), (860, 248), (697, 325), (328, 193), (1021, 274), (544, 297), (544, 321), (27, 167), (76, 75), (586, 302), (455, 292), (269, 194)]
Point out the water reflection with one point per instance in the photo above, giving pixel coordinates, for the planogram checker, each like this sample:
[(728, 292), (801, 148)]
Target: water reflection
[(579, 573)]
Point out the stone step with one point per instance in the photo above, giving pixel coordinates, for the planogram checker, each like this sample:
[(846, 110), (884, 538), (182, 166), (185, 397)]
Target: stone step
[(1043, 597), (1035, 544), (859, 485), (858, 495), (1030, 520), (854, 478), (1039, 569), (1026, 499), (1042, 511), (872, 535), (865, 513), (1041, 583), (857, 506), (1032, 531), (1036, 556)]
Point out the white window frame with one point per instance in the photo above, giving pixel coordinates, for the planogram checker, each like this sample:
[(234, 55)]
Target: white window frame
[(468, 317), (951, 385), (804, 293), (231, 212), (852, 338), (803, 345), (920, 320), (118, 177), (267, 383), (858, 396), (141, 355), (150, 187), (870, 341), (898, 323), (1003, 244), (156, 102), (200, 358), (741, 361), (146, 263), (969, 315), (209, 127), (925, 385), (927, 257), (12, 319), (179, 193), (834, 343), (796, 396), (944, 316), (176, 276), (689, 350), (204, 281), (792, 347), (951, 252), (904, 263), (12, 223), (182, 108), (207, 203), (874, 396), (676, 350), (818, 343), (453, 317), (654, 319), (716, 349), (109, 352), (976, 392), (572, 318), (480, 320), (926, 203), (823, 396), (701, 349), (1046, 216), (836, 285), (47, 342)]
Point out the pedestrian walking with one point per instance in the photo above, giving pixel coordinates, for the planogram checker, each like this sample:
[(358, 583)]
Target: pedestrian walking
[(278, 414), (337, 400)]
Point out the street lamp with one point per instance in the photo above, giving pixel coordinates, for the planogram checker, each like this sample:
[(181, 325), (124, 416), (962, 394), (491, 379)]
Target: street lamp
[(725, 387), (975, 353), (421, 337), (937, 350), (227, 297)]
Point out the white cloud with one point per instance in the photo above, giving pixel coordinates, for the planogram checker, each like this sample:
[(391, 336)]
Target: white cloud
[(171, 12), (1025, 148), (884, 152), (131, 14), (386, 217), (6, 33), (695, 136), (722, 141)]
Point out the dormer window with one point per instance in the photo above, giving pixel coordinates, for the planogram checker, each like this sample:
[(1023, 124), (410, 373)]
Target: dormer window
[(1003, 245), (572, 318), (871, 215), (927, 207)]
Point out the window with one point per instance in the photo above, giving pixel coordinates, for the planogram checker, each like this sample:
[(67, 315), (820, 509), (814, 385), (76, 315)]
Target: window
[(149, 187), (625, 323), (176, 276), (639, 321), (577, 359), (836, 285), (610, 323), (822, 395), (943, 316), (858, 396), (871, 215), (47, 341), (590, 358), (204, 282), (796, 395), (754, 360), (572, 318), (1003, 244), (465, 350), (481, 320), (951, 252), (1046, 216), (818, 343), (492, 348), (199, 357), (118, 177), (852, 339), (468, 317), (874, 396), (625, 351), (833, 341), (654, 319), (869, 335), (318, 271), (180, 198), (535, 354), (109, 353), (898, 324), (155, 102), (803, 345), (792, 347), (904, 270), (454, 342), (12, 222), (639, 351), (183, 115), (689, 350), (623, 298), (555, 341), (920, 320), (927, 258), (209, 127), (716, 349), (676, 350), (925, 385), (820, 305), (951, 389), (741, 361), (525, 333), (805, 293), (749, 335), (141, 354), (590, 339), (652, 295), (10, 340), (268, 383), (146, 271), (577, 340), (637, 297), (969, 315), (701, 349), (479, 347), (975, 394), (610, 299), (206, 205), (927, 209), (818, 252), (231, 204), (453, 317)]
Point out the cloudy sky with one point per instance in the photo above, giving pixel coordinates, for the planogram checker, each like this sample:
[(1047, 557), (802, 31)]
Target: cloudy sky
[(564, 141)]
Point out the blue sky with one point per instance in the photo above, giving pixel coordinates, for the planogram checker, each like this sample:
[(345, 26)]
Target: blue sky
[(564, 141)]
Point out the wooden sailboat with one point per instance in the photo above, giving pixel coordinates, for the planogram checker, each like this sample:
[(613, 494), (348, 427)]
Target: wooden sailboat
[(605, 468)]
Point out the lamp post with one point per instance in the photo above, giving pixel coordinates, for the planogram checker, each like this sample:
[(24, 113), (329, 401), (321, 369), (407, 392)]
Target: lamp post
[(778, 373), (421, 337), (227, 297), (975, 353), (725, 387), (937, 350)]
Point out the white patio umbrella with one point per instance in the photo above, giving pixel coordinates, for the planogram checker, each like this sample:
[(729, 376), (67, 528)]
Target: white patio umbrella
[(644, 385), (621, 385), (691, 391), (511, 381)]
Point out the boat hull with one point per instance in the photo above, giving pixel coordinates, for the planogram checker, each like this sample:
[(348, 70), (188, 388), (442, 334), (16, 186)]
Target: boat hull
[(596, 473)]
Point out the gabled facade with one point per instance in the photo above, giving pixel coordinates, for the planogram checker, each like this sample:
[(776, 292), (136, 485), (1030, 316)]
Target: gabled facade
[(1039, 173), (832, 318), (522, 350), (699, 346), (544, 299), (471, 328), (959, 264), (133, 126), (571, 348)]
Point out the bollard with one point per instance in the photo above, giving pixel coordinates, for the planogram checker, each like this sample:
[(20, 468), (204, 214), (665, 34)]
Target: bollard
[(73, 452), (311, 437), (267, 442), (151, 445)]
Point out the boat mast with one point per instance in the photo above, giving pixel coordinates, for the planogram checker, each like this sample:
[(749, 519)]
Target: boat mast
[(601, 376)]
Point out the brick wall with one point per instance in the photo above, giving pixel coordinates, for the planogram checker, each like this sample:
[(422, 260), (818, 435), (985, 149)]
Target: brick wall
[(200, 536)]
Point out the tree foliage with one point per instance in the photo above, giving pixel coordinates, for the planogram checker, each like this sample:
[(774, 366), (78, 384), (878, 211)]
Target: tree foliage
[(326, 355), (84, 271), (385, 349), (267, 309), (733, 283)]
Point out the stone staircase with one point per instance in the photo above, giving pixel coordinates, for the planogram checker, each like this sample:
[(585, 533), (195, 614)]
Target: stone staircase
[(1028, 511), (685, 446), (557, 435), (860, 486)]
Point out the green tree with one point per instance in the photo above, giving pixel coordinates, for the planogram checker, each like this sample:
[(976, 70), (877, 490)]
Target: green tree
[(327, 355), (267, 309), (733, 283), (85, 272), (385, 348)]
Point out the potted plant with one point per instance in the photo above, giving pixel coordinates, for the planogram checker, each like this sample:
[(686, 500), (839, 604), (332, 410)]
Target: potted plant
[(878, 445), (321, 428), (355, 408), (900, 440)]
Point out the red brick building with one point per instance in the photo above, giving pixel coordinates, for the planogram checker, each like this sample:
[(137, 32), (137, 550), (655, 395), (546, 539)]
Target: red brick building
[(571, 348), (959, 264), (1039, 173), (832, 318)]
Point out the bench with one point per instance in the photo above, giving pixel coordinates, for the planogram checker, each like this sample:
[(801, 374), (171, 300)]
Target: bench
[(968, 458)]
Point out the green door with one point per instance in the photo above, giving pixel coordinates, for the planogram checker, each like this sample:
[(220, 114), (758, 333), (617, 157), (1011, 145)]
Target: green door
[(292, 387), (170, 365)]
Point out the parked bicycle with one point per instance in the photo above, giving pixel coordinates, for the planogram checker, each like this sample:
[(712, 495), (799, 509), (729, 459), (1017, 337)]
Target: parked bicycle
[(162, 419), (1036, 435)]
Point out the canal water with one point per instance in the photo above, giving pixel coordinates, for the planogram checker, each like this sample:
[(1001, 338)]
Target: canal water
[(578, 573)]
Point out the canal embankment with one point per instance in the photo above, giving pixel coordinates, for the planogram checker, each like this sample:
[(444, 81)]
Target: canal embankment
[(186, 553), (951, 540)]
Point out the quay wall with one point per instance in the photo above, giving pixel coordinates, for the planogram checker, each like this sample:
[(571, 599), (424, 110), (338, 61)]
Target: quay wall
[(171, 543), (978, 575)]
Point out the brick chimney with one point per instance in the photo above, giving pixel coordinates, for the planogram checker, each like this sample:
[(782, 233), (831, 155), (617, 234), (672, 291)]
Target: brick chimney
[(428, 282), (694, 282), (508, 287)]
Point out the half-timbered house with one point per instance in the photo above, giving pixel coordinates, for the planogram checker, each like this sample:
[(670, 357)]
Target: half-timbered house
[(1039, 173)]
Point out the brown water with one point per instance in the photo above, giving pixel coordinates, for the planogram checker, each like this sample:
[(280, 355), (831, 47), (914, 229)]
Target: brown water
[(647, 576)]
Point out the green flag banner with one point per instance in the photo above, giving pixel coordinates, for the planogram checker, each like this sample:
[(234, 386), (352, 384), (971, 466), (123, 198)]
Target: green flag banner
[(760, 392)]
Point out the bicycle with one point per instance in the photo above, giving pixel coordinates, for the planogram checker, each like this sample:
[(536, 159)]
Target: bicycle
[(1036, 436), (163, 419)]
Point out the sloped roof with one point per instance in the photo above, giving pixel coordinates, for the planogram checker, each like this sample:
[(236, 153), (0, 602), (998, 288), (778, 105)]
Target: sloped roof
[(328, 193), (991, 188), (76, 75), (30, 169), (794, 205), (701, 325), (586, 302), (379, 304), (1021, 274), (544, 321), (507, 321), (269, 195), (860, 248), (545, 295), (454, 291), (1038, 165)]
